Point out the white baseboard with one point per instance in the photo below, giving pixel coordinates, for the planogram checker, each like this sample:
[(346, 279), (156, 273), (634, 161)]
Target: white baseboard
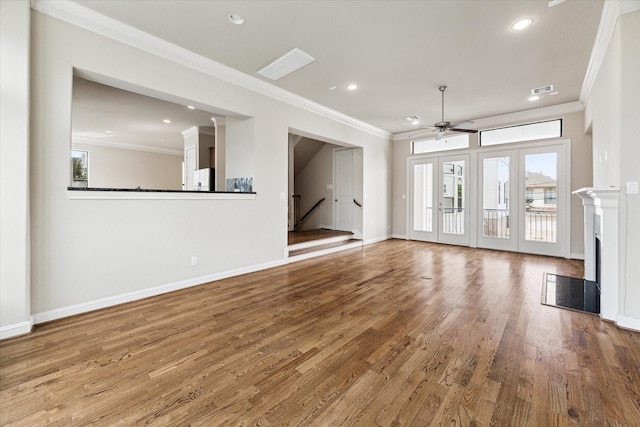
[(377, 240), (576, 256), (399, 236), (628, 323), (72, 310), (16, 329)]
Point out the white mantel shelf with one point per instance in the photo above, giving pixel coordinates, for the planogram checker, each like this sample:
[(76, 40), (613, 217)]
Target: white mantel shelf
[(602, 201)]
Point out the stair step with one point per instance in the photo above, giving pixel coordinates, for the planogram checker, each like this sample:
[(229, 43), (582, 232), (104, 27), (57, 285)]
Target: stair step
[(320, 242), (323, 249)]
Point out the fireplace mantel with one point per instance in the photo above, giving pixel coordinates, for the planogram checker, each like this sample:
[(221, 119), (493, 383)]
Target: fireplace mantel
[(602, 201)]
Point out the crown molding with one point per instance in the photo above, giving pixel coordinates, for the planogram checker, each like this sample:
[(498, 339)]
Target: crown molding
[(125, 146), (611, 10), (518, 117), (87, 19)]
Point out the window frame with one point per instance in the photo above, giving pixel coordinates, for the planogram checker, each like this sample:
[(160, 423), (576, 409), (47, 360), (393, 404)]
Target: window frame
[(480, 133)]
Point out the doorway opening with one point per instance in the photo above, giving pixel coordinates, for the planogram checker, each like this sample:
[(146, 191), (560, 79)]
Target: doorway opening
[(325, 210)]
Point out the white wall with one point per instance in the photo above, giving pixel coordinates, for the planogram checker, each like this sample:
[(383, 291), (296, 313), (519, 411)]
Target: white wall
[(311, 184), (88, 252), (613, 112), (111, 167), (573, 124), (14, 168), (240, 148)]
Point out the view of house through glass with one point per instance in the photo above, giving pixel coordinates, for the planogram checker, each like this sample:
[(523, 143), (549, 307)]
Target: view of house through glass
[(541, 209), (495, 219), (453, 209)]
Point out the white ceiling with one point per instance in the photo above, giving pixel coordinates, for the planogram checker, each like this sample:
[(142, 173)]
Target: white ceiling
[(398, 52), (107, 115)]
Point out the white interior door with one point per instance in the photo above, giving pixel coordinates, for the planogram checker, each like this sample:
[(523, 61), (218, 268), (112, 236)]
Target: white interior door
[(497, 200), (543, 211), (343, 190)]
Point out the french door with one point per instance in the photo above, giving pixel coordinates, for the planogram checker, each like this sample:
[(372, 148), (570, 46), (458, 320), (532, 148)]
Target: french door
[(438, 200), (543, 209), (522, 200), (497, 229)]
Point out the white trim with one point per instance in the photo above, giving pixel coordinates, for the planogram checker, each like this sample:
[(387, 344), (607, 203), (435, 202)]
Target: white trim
[(611, 10), (517, 117), (85, 307), (628, 323), (573, 255), (125, 146), (376, 240), (156, 195), (16, 329), (399, 236), (92, 21)]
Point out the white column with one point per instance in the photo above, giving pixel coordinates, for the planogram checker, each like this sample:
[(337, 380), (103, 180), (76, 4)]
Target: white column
[(606, 205), (589, 240), (15, 258)]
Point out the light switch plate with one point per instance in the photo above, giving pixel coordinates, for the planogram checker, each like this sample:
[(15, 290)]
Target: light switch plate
[(632, 187)]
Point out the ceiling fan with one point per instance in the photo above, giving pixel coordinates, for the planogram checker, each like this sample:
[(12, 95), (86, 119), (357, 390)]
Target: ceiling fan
[(442, 126)]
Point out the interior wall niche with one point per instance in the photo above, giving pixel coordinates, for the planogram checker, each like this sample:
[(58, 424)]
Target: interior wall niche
[(138, 142)]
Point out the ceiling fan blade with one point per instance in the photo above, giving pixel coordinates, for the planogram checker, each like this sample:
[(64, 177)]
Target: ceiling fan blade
[(463, 130), (423, 131), (468, 122), (440, 135)]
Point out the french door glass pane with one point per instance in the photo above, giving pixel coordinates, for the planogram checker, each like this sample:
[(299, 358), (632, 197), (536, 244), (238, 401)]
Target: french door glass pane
[(541, 209), (495, 196), (423, 197), (453, 209)]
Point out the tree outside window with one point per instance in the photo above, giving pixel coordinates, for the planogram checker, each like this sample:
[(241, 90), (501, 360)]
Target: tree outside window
[(79, 169)]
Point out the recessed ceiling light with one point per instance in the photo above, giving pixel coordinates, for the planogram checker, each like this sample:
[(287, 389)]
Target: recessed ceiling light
[(534, 98), (522, 24), (333, 88), (553, 93), (167, 121), (236, 18), (108, 131), (415, 122), (191, 107), (352, 86)]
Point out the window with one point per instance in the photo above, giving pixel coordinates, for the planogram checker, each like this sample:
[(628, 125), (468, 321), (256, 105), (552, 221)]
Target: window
[(79, 169), (550, 196), (446, 143), (528, 132)]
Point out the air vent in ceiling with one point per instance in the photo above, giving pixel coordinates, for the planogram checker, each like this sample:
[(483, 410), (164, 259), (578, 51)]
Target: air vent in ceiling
[(542, 89), (287, 63)]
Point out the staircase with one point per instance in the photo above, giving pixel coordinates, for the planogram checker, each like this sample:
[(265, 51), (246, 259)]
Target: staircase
[(322, 246)]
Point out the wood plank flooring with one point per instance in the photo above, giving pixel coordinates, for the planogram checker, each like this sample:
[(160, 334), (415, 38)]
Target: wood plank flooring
[(396, 333), (310, 235)]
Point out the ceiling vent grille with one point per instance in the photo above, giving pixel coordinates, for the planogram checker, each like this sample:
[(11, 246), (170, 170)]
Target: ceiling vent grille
[(542, 89), (287, 63)]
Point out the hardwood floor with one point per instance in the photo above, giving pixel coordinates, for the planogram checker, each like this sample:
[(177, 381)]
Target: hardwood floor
[(396, 333), (307, 236)]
